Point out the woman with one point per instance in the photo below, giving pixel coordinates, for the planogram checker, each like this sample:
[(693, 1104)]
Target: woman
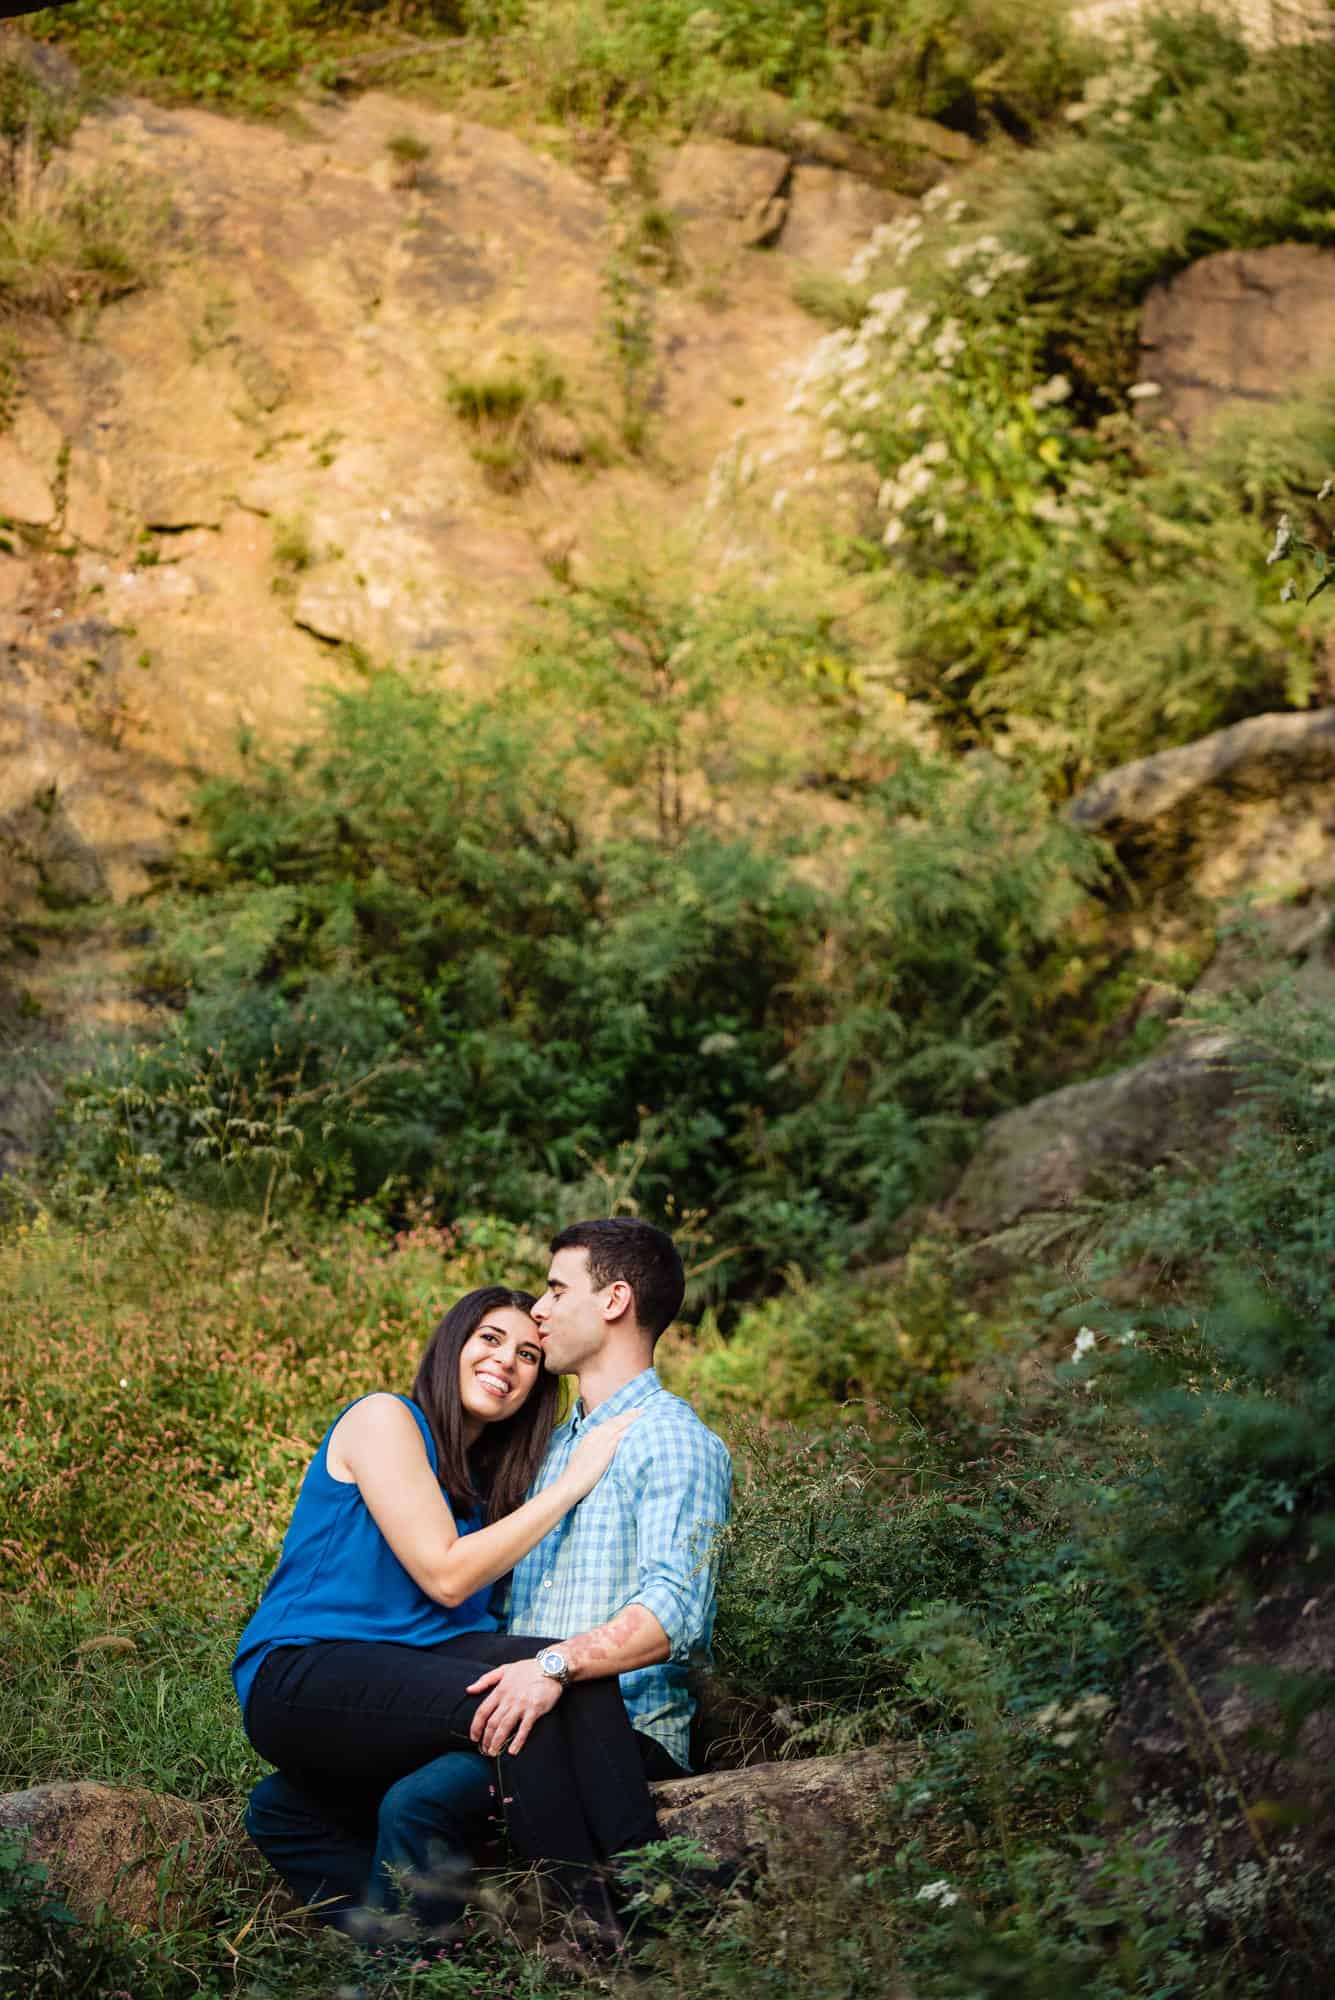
[(356, 1668)]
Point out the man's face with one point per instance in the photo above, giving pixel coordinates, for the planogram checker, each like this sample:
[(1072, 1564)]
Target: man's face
[(570, 1317)]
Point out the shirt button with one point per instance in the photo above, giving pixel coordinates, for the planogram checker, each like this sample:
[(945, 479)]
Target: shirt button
[(546, 1583)]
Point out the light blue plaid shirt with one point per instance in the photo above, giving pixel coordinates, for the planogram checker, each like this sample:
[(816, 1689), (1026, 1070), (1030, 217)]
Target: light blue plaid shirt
[(647, 1534)]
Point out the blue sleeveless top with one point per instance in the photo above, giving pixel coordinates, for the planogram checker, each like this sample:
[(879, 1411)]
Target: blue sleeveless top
[(338, 1578)]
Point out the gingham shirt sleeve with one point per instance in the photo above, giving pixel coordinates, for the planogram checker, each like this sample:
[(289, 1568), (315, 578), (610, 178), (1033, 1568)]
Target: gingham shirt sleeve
[(682, 1501)]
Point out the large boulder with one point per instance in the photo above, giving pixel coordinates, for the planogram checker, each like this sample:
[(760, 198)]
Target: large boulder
[(1246, 809), (1090, 1138), (831, 214), (728, 194), (110, 1845), (129, 1849), (1245, 325)]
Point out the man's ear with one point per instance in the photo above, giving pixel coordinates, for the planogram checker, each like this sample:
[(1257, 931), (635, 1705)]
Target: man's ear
[(618, 1301)]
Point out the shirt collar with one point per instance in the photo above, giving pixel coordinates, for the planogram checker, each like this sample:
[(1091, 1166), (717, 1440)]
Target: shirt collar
[(625, 1398)]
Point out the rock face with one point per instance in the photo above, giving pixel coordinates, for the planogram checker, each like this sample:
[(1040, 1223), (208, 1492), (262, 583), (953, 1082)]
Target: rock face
[(1247, 808), (1223, 1771), (1091, 1137), (124, 1848), (1262, 23), (831, 214), (256, 459), (1243, 325), (734, 191)]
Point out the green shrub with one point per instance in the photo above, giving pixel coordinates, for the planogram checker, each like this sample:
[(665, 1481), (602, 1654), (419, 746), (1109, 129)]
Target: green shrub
[(63, 242), (847, 60), (1070, 585), (874, 1349), (401, 961)]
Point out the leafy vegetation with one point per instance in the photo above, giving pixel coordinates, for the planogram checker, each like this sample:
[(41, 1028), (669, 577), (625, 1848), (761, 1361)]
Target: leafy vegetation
[(403, 961), (1072, 584), (707, 912), (63, 243)]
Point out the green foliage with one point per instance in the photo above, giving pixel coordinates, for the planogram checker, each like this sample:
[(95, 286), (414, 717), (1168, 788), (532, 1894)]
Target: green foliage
[(859, 1346), (245, 55), (1227, 1374), (1266, 1211), (1071, 584), (821, 1564), (499, 404), (412, 958), (853, 61), (63, 242)]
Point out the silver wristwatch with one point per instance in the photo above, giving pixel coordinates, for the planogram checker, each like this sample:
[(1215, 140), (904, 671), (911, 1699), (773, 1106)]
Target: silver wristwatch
[(553, 1663)]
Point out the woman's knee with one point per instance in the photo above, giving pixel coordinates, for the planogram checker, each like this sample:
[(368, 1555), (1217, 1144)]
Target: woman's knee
[(275, 1807)]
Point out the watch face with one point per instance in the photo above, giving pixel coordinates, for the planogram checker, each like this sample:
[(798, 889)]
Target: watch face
[(553, 1663)]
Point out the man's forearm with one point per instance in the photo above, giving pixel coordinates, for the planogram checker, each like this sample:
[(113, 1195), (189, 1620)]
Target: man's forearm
[(634, 1638)]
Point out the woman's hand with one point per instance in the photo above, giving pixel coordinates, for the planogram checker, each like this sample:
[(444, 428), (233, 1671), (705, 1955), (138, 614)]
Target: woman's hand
[(594, 1453)]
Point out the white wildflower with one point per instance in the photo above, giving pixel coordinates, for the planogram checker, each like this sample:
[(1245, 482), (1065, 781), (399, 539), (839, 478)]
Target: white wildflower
[(936, 197), (1086, 1341), (894, 533), (888, 305), (957, 211), (1327, 488), (935, 452), (939, 524), (780, 500), (1141, 392), (915, 415), (1055, 390), (1289, 592), (1283, 540), (938, 1892), (835, 447), (978, 288)]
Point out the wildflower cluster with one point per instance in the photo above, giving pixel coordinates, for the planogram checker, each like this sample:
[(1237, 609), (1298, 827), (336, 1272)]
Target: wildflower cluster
[(1115, 95), (938, 387), (1290, 544)]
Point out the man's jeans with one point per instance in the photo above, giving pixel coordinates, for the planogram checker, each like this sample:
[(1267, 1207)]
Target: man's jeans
[(414, 1854), (425, 1833)]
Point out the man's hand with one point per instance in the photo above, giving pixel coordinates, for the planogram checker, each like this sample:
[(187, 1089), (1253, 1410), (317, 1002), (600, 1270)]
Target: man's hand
[(519, 1694)]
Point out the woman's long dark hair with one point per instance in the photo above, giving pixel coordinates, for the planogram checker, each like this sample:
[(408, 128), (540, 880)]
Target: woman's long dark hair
[(499, 1470)]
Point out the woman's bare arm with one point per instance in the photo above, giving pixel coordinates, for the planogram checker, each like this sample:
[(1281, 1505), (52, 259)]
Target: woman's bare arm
[(378, 1445)]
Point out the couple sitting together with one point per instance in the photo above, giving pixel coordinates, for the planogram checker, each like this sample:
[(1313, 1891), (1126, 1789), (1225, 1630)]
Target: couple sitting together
[(376, 1674)]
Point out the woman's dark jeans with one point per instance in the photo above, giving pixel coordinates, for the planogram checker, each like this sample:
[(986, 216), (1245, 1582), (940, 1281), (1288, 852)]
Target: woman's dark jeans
[(346, 1720)]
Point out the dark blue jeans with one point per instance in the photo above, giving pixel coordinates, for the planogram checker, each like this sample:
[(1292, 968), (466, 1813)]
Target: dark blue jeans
[(377, 1775), (411, 1849)]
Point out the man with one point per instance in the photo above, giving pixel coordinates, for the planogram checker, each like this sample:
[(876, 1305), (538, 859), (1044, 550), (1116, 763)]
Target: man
[(624, 1584), (626, 1580)]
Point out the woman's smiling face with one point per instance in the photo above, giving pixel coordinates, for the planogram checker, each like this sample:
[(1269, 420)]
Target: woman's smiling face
[(498, 1365)]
